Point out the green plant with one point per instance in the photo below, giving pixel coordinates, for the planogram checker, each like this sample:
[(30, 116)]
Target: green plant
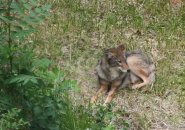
[(22, 86), (106, 118), (12, 120), (18, 19), (75, 117), (34, 85)]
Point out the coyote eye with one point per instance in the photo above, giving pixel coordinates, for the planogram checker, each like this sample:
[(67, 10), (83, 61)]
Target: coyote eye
[(119, 61)]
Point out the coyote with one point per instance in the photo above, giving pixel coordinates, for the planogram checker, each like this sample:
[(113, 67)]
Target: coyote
[(118, 68)]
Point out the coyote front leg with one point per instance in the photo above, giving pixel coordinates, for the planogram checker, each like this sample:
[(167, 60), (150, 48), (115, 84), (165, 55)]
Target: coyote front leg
[(111, 93), (103, 88)]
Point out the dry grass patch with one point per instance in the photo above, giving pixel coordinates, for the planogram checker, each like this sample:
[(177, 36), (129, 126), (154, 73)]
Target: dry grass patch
[(77, 32)]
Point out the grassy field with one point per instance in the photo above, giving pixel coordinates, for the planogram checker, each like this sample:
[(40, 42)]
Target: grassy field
[(77, 32)]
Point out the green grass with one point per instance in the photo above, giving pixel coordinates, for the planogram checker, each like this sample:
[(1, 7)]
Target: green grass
[(75, 117), (79, 117), (77, 32)]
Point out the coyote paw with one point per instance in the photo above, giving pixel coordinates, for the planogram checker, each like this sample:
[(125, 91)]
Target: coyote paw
[(134, 87), (105, 104), (93, 99)]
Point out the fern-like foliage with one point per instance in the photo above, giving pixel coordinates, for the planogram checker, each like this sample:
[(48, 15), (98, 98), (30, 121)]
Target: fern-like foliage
[(18, 19), (22, 16)]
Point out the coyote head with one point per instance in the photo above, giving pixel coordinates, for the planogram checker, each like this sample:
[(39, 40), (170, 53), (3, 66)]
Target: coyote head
[(116, 58)]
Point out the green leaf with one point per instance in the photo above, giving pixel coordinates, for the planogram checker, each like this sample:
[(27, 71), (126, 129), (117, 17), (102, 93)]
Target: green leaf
[(38, 10), (23, 79), (125, 123), (33, 15), (33, 2), (28, 20), (70, 84), (109, 127), (18, 28), (17, 8), (37, 110), (27, 6), (42, 63), (21, 33), (47, 7), (5, 19), (3, 11)]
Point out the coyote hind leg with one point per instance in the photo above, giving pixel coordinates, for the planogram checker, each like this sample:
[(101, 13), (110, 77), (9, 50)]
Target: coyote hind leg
[(144, 76), (137, 86)]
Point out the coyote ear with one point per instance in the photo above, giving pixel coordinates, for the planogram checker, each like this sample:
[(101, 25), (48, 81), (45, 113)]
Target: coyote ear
[(121, 47)]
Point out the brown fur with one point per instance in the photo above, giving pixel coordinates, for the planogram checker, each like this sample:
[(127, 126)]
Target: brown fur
[(119, 68), (110, 72), (141, 69)]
